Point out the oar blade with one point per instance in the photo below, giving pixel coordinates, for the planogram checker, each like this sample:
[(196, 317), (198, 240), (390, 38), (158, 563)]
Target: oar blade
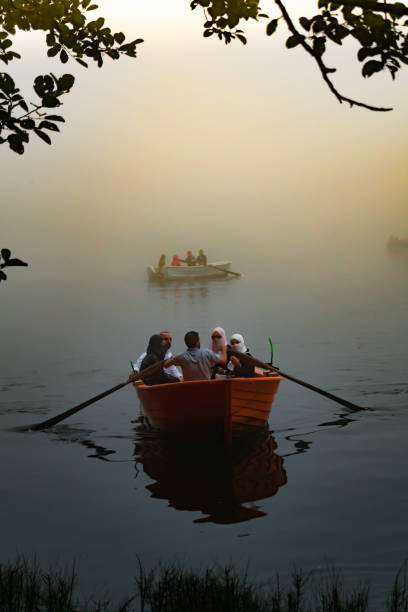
[(266, 366)]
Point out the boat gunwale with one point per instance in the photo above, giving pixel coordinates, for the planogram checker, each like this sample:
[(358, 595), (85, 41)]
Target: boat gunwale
[(219, 381)]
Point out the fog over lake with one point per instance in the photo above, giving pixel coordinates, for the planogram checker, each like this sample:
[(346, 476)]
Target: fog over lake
[(241, 151)]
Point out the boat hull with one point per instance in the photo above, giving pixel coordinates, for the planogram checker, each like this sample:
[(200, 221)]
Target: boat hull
[(170, 273), (225, 407)]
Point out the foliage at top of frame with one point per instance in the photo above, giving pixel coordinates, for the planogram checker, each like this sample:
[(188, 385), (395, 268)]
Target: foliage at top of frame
[(69, 35)]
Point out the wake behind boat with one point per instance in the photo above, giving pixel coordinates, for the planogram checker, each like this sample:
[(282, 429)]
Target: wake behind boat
[(223, 407), (217, 269)]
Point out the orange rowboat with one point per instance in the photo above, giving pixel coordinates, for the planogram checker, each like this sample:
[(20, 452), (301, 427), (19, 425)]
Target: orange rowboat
[(224, 407)]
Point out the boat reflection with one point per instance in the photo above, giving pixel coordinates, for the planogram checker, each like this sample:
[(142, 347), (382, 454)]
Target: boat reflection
[(191, 291), (220, 482)]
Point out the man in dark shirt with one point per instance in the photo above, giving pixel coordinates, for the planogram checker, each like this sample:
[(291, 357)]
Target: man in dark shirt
[(201, 258), (190, 260)]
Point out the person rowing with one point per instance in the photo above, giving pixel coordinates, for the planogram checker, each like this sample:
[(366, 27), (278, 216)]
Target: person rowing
[(155, 352), (190, 260), (197, 363), (201, 258), (172, 371)]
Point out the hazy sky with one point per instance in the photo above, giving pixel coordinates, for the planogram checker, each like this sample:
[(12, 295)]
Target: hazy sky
[(196, 144)]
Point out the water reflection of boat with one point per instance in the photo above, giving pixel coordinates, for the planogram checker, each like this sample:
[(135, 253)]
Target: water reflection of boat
[(193, 291), (222, 408), (221, 482), (172, 273), (397, 244)]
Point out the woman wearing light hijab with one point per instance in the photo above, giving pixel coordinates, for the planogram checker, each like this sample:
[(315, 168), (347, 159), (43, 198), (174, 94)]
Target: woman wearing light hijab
[(218, 340), (240, 369)]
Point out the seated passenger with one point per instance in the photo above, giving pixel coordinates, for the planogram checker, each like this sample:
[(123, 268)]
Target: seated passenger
[(175, 261), (155, 352), (237, 368), (190, 260), (196, 363), (201, 258), (218, 344), (218, 339), (161, 264)]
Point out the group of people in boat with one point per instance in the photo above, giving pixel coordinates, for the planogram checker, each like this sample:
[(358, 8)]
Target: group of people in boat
[(190, 260), (195, 363), (397, 243)]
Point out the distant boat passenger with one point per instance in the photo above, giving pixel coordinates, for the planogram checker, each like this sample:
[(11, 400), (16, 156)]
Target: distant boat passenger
[(190, 260), (201, 258), (161, 264), (175, 261)]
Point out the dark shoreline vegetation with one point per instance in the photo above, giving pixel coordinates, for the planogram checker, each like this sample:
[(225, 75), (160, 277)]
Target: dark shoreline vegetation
[(25, 587)]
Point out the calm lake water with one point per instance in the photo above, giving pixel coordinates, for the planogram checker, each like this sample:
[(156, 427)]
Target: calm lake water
[(324, 486)]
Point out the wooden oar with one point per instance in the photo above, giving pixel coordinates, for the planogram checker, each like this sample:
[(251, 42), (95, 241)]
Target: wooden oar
[(222, 270), (64, 415), (266, 366)]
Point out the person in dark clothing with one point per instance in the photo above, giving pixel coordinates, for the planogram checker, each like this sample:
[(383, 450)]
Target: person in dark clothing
[(201, 258), (155, 352), (238, 368), (190, 260)]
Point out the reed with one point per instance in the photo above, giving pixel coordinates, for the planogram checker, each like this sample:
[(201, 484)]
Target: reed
[(25, 587), (174, 589), (398, 598)]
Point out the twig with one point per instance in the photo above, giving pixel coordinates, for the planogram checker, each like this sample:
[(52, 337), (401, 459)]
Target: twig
[(322, 67)]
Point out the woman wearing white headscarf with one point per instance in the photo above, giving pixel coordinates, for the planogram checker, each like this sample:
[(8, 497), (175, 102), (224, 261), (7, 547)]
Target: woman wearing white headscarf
[(240, 369)]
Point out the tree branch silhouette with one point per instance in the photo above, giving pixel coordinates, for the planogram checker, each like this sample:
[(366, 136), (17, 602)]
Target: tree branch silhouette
[(322, 66), (379, 27)]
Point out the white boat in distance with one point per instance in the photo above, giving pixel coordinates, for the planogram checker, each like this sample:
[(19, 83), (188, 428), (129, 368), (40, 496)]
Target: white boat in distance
[(211, 270)]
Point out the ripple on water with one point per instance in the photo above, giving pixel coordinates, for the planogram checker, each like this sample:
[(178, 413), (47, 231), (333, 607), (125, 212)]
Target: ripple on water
[(23, 407), (80, 435), (387, 389), (84, 372)]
